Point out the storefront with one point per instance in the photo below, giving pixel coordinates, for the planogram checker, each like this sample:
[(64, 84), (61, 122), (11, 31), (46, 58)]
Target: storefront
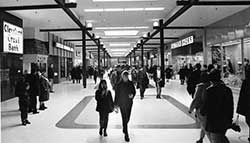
[(186, 51), (61, 56), (229, 46), (11, 52)]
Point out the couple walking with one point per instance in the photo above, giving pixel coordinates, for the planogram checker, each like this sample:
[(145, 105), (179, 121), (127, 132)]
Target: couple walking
[(124, 94)]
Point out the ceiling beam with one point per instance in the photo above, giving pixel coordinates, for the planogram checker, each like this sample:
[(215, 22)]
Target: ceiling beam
[(184, 27), (63, 29), (36, 7), (78, 40), (172, 18), (61, 3), (214, 3)]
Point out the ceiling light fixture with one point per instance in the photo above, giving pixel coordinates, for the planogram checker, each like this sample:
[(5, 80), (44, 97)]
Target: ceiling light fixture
[(119, 0), (119, 44), (156, 24), (124, 9), (121, 32), (116, 28)]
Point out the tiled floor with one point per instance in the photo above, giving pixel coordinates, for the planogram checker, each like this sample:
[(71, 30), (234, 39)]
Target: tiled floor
[(45, 129)]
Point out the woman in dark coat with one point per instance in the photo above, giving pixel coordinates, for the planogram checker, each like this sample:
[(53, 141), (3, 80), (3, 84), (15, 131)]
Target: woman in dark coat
[(169, 73), (105, 105), (22, 92), (243, 107), (143, 81), (44, 92), (158, 82), (182, 74)]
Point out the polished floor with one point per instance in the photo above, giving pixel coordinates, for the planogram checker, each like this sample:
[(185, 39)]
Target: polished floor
[(71, 117)]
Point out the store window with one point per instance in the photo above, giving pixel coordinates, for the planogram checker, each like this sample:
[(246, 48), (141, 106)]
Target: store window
[(62, 66)]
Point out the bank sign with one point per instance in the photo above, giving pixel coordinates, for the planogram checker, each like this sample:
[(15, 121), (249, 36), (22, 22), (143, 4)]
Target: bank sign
[(183, 42), (12, 38)]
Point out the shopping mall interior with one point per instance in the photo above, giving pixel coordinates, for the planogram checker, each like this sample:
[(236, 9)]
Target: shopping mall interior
[(75, 44)]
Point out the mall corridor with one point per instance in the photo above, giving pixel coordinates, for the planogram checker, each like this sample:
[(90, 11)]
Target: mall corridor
[(71, 117)]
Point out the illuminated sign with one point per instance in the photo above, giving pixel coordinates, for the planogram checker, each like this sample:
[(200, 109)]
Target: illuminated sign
[(12, 38), (184, 42)]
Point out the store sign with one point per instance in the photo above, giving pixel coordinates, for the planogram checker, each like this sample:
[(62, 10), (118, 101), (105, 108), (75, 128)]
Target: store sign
[(12, 38), (61, 46), (184, 42)]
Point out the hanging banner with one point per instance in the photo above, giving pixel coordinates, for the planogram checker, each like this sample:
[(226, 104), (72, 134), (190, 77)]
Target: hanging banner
[(12, 38)]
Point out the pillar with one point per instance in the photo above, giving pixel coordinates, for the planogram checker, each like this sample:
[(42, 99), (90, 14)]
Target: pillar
[(98, 58), (242, 58), (142, 52), (134, 58), (162, 51), (104, 57), (84, 71), (204, 45)]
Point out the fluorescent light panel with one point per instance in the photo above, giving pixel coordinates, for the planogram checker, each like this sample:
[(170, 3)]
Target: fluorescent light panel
[(119, 44), (119, 0), (116, 28), (124, 9), (121, 32)]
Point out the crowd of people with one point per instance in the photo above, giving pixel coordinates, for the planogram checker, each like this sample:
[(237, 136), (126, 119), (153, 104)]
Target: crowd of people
[(213, 100), (28, 88)]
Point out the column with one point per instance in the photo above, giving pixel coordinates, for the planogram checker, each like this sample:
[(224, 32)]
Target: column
[(142, 52), (98, 58), (84, 80), (104, 56), (162, 51), (134, 58), (242, 58), (204, 45)]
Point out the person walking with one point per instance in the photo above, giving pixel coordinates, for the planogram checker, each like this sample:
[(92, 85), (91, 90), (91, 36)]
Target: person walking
[(124, 95), (218, 109), (182, 75), (34, 91), (44, 89), (143, 81), (105, 105), (158, 82), (169, 73), (95, 75), (194, 79), (51, 77), (198, 101), (22, 92), (243, 107)]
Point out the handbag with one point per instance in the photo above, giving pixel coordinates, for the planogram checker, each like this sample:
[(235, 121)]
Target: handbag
[(235, 125)]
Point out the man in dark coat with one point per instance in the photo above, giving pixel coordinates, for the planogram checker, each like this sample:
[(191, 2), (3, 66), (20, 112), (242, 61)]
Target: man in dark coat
[(143, 81), (34, 91), (182, 75), (243, 107), (218, 108), (22, 92), (193, 80), (124, 95), (51, 76), (169, 73)]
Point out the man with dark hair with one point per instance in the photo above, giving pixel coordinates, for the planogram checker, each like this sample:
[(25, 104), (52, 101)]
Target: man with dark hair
[(194, 79), (218, 108), (124, 95)]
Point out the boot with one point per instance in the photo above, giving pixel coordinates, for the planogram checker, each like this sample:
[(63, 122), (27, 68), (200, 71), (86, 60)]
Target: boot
[(24, 123), (126, 138), (100, 131), (105, 132), (27, 122)]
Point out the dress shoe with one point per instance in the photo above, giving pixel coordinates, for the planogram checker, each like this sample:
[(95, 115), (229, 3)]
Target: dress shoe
[(199, 141), (100, 132), (105, 134), (23, 123), (27, 122), (35, 112)]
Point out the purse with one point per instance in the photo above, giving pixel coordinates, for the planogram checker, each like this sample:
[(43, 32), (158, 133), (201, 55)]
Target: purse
[(235, 125)]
